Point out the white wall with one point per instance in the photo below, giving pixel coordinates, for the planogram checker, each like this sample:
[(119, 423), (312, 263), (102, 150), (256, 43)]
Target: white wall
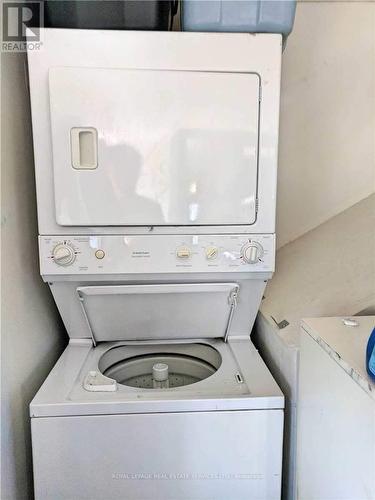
[(327, 138), (32, 336)]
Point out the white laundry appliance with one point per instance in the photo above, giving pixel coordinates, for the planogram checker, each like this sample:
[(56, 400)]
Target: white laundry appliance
[(156, 162), (336, 410)]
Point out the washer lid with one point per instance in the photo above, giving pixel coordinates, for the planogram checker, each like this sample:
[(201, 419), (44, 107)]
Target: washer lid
[(162, 311)]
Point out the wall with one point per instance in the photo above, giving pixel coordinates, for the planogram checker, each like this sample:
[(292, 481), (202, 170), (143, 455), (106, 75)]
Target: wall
[(32, 336), (327, 142)]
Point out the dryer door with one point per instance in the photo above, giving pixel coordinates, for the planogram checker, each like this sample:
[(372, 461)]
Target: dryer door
[(150, 147)]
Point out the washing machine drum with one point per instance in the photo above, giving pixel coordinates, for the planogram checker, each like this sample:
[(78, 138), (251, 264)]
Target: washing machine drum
[(160, 366)]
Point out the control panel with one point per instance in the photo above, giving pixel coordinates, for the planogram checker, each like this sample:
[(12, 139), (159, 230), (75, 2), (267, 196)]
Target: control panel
[(156, 254)]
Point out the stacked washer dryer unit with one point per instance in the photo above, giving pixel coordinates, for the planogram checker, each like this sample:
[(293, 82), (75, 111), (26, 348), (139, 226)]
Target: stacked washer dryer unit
[(156, 159)]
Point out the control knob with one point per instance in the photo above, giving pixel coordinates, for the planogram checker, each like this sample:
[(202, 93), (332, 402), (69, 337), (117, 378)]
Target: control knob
[(212, 253), (251, 252), (63, 254), (183, 253)]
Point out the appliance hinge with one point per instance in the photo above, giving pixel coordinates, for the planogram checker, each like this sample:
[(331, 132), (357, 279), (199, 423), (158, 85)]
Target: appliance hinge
[(256, 205), (80, 297), (281, 324), (233, 304)]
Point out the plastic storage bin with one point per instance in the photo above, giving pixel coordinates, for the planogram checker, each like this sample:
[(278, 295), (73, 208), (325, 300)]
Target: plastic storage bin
[(249, 16), (109, 14)]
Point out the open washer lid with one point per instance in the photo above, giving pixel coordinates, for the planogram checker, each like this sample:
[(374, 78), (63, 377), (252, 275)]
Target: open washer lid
[(161, 311)]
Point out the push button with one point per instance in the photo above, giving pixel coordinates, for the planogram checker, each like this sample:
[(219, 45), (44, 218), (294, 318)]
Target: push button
[(99, 254)]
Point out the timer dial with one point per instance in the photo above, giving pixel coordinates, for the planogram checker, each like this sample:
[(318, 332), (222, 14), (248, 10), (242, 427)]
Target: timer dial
[(63, 254), (251, 252)]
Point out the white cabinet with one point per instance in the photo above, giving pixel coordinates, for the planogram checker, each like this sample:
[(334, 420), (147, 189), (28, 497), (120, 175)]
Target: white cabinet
[(336, 412)]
